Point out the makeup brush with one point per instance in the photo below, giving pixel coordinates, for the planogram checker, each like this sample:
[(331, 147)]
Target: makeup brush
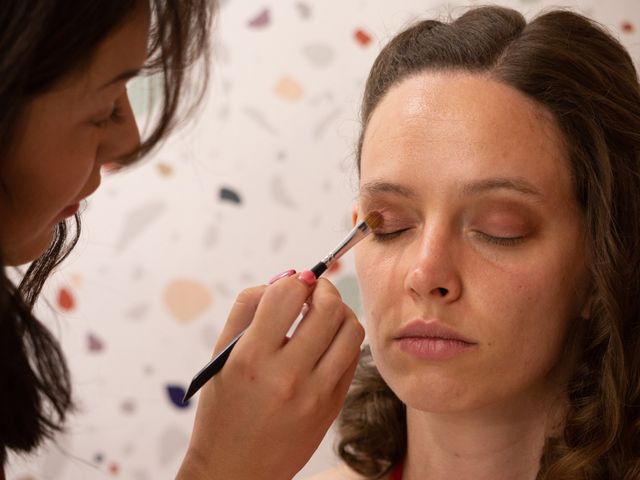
[(372, 221)]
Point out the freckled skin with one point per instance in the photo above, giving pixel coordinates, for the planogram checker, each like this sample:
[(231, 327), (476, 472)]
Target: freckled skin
[(435, 133)]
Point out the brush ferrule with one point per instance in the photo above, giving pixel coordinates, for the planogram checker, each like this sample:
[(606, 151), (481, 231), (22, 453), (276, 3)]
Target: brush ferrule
[(354, 236)]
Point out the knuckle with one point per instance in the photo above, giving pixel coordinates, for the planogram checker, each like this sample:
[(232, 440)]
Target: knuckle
[(330, 306), (250, 295), (359, 332), (245, 366), (285, 387), (327, 288), (311, 406), (289, 288)]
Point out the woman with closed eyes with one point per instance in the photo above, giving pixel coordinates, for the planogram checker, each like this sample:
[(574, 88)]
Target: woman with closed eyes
[(501, 294)]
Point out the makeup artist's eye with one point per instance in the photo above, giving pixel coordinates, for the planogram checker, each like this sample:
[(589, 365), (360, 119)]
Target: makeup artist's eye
[(113, 116), (501, 241), (387, 236)]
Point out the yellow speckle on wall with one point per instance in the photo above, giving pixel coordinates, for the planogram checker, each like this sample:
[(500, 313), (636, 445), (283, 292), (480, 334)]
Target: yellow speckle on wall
[(186, 299), (288, 89), (164, 169)]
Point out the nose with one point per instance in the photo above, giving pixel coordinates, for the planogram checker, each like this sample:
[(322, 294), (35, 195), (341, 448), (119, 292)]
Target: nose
[(122, 137), (433, 273)]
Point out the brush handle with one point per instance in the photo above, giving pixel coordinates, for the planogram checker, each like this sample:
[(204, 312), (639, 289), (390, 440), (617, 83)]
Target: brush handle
[(211, 368)]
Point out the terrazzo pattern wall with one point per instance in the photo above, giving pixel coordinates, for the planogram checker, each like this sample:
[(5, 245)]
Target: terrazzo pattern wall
[(261, 182)]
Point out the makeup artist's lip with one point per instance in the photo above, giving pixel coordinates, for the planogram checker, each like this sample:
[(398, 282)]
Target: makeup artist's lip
[(70, 211), (432, 340)]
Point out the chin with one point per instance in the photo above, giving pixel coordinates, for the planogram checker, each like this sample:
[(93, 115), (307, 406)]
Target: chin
[(435, 397), (30, 250)]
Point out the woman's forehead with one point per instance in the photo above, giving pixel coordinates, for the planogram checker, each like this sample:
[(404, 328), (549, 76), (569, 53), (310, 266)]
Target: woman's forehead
[(464, 127)]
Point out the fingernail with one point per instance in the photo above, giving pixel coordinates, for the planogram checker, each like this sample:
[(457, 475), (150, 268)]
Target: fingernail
[(307, 277), (288, 273)]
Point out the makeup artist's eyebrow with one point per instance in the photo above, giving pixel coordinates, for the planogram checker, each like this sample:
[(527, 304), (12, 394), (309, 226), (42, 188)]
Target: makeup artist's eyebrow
[(374, 188), (499, 183), (126, 75)]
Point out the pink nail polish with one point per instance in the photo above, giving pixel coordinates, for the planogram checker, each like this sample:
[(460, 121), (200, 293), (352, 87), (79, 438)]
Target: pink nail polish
[(307, 277), (288, 273)]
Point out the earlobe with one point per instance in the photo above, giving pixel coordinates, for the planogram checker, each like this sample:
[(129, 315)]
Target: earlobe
[(585, 312)]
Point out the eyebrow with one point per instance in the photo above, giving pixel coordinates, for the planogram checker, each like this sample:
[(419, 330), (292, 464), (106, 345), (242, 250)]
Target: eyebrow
[(374, 188), (126, 75), (519, 185), (501, 183)]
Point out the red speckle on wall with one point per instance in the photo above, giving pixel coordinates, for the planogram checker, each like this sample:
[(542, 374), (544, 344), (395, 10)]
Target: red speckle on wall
[(362, 37), (65, 299), (114, 469), (334, 267), (627, 27)]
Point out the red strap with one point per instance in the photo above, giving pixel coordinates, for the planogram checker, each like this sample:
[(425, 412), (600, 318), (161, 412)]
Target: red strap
[(396, 473)]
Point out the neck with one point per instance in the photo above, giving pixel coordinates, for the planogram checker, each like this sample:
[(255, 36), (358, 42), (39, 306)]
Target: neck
[(499, 442)]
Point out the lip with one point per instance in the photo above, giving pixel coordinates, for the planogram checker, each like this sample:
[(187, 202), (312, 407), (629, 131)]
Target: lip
[(432, 340)]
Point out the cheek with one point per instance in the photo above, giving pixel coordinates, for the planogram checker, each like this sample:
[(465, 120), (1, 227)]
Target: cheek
[(527, 310), (381, 282)]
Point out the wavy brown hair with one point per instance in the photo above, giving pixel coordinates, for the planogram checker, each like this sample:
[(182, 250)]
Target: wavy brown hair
[(575, 69), (42, 42)]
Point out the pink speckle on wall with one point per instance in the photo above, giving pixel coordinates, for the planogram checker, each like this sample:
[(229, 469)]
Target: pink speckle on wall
[(94, 343), (262, 20)]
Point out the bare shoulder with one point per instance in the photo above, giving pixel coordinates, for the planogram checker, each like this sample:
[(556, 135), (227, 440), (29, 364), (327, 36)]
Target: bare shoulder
[(341, 472)]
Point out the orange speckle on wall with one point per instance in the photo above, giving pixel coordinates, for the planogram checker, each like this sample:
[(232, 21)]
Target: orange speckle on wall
[(362, 37), (66, 301), (186, 299)]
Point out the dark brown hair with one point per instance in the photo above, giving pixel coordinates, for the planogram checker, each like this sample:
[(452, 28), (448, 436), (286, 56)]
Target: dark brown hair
[(577, 71), (41, 42)]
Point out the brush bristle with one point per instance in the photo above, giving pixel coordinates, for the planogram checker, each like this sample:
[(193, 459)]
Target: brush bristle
[(373, 220)]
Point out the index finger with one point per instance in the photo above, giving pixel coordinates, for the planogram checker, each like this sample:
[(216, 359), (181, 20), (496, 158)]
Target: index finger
[(279, 307), (240, 316)]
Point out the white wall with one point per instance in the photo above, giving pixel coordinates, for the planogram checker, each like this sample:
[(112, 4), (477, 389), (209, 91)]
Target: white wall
[(279, 128)]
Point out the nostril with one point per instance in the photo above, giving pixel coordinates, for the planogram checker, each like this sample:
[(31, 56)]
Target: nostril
[(443, 291)]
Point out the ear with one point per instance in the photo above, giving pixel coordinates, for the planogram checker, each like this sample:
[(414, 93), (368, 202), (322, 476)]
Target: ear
[(354, 215), (587, 305), (585, 312)]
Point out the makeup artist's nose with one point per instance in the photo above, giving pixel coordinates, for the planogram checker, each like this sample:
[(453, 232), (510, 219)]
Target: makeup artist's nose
[(433, 274)]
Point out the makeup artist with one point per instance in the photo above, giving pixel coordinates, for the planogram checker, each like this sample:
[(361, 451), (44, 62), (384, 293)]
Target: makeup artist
[(64, 66), (502, 295)]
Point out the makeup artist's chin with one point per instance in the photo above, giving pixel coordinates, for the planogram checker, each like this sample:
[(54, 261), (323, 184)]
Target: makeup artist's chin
[(30, 249)]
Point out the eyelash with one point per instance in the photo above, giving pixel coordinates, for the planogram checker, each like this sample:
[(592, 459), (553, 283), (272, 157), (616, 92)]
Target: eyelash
[(114, 116), (500, 241), (387, 236)]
